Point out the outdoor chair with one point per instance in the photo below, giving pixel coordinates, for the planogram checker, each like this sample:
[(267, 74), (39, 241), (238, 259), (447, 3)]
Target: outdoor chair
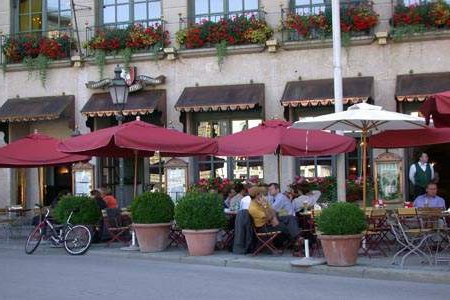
[(265, 240), (112, 220), (409, 243), (5, 224), (376, 233), (176, 237), (315, 244), (430, 217)]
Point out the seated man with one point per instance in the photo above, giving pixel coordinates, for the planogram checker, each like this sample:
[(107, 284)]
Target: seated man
[(306, 199), (280, 202), (430, 198)]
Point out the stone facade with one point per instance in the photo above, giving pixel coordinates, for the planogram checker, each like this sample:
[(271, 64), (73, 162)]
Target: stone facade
[(383, 62)]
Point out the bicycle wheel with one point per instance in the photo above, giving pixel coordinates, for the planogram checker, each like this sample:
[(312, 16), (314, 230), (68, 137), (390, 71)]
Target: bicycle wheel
[(33, 240), (77, 240)]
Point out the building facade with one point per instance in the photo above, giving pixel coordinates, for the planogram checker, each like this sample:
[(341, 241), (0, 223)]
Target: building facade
[(201, 86)]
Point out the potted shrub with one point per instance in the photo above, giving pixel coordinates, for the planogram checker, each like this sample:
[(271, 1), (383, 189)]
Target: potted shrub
[(200, 216), (340, 229), (152, 216), (88, 212)]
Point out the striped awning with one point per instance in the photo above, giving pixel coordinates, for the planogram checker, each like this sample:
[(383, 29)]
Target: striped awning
[(321, 92), (418, 87)]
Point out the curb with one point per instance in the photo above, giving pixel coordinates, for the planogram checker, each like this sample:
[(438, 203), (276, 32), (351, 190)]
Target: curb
[(243, 262)]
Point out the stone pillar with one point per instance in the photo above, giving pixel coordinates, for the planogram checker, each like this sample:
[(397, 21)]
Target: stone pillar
[(5, 180)]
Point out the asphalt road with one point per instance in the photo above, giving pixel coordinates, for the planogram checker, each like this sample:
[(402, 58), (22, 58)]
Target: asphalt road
[(56, 275)]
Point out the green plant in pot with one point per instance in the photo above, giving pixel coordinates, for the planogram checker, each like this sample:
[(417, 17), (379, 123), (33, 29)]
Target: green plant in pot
[(152, 216), (200, 215), (340, 229), (87, 212)]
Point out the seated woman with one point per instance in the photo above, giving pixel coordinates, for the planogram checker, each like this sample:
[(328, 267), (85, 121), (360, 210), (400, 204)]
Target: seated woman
[(265, 219), (229, 195), (109, 199), (236, 200)]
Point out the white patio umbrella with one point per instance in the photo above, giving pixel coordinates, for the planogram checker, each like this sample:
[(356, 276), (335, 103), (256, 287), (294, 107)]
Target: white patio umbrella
[(366, 119)]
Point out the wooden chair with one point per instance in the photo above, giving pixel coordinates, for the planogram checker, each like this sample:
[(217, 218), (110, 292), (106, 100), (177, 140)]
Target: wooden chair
[(430, 217), (410, 220), (315, 243), (376, 232), (265, 239), (176, 237), (112, 220)]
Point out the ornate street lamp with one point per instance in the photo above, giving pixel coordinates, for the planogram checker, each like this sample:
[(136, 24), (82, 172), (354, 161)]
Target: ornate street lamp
[(118, 89)]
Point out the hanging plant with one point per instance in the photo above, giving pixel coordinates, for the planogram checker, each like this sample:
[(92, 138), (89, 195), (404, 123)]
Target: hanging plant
[(221, 50), (126, 56), (41, 66), (100, 61)]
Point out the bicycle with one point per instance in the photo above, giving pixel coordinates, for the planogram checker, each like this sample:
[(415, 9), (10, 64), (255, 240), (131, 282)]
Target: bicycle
[(75, 238)]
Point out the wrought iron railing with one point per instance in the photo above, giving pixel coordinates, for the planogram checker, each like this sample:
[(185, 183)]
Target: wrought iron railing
[(14, 48), (93, 31)]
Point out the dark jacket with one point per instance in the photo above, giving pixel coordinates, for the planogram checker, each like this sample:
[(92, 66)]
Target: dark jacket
[(243, 233)]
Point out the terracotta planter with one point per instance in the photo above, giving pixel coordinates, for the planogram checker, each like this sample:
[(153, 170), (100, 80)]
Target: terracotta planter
[(201, 242), (341, 250), (152, 237)]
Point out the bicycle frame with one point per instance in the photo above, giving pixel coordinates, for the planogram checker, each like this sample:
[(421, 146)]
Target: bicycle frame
[(56, 236)]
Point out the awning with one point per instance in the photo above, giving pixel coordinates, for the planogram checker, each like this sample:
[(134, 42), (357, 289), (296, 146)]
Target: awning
[(37, 108), (321, 92), (138, 103), (418, 87), (222, 97)]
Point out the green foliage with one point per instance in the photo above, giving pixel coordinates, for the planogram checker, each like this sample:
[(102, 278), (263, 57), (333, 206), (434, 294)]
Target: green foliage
[(342, 218), (126, 55), (100, 61), (198, 211), (221, 49), (41, 66), (88, 214), (152, 208)]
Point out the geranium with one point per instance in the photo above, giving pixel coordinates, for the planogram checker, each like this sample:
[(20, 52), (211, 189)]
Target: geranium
[(217, 184)]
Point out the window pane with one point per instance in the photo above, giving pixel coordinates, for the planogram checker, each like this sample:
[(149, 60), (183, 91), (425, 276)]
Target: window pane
[(307, 168), (65, 19), (154, 10), (107, 2), (53, 5), (204, 129), (253, 123), (109, 14), (122, 1), (251, 4), (216, 6), (36, 22), (52, 20), (24, 23), (201, 7), (24, 6), (302, 2), (123, 13), (36, 6), (235, 5), (65, 4), (238, 126), (140, 11), (324, 168)]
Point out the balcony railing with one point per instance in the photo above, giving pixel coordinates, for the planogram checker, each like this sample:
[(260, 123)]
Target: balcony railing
[(314, 21), (185, 22), (55, 45), (150, 36)]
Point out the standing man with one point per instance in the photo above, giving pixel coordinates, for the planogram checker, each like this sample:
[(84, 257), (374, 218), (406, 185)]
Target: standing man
[(421, 174)]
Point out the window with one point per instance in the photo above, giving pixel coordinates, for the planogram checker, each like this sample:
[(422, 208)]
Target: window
[(221, 166), (215, 10), (120, 13), (309, 7), (156, 170), (45, 15)]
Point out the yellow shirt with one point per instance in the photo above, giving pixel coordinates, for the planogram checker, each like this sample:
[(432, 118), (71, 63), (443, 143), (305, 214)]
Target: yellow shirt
[(258, 214)]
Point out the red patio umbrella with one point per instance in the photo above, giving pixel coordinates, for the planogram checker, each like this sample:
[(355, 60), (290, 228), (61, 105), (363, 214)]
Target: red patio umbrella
[(36, 150), (275, 136), (138, 139), (438, 107), (410, 138)]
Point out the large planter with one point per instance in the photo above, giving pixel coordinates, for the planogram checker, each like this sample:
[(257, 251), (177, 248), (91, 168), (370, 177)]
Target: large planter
[(152, 237), (341, 250), (201, 242)]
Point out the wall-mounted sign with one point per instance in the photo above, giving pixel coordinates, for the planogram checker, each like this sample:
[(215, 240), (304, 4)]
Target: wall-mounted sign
[(176, 172), (388, 177), (83, 179)]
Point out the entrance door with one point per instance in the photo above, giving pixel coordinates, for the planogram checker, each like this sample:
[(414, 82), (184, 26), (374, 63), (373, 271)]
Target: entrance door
[(57, 180)]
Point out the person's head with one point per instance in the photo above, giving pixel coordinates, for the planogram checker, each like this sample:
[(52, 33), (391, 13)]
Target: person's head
[(239, 188), (423, 158), (232, 193), (274, 189), (256, 192), (432, 189), (105, 192), (96, 194)]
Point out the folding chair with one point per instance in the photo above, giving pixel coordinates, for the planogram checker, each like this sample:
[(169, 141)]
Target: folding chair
[(315, 244), (265, 240), (112, 218), (409, 244), (430, 217), (376, 232), (176, 237)]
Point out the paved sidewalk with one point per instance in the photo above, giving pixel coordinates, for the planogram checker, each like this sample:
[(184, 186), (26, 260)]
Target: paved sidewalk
[(375, 268)]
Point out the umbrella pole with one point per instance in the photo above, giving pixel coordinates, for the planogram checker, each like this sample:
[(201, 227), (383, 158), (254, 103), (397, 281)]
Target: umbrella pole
[(279, 168), (135, 174), (364, 167)]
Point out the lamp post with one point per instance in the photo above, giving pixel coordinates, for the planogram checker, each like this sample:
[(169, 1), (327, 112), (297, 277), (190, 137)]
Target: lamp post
[(118, 89)]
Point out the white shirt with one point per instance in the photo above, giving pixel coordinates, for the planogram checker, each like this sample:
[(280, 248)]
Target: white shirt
[(245, 203), (310, 199), (423, 166)]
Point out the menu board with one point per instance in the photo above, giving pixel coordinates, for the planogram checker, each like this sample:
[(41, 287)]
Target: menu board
[(83, 179), (176, 178)]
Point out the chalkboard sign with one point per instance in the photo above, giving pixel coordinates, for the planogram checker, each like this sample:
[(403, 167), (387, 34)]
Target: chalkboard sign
[(83, 179), (176, 172)]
